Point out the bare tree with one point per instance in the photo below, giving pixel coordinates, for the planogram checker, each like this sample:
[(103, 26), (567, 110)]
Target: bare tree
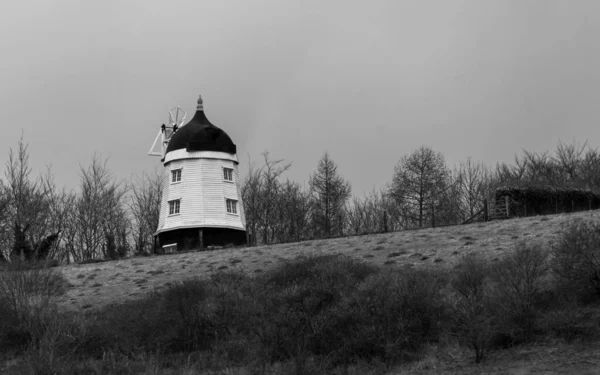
[(393, 211), (540, 167), (419, 179), (376, 212), (473, 187), (356, 216), (58, 205), (4, 227), (590, 169), (144, 205), (294, 203), (330, 192), (251, 197), (271, 172), (100, 211), (568, 159), (26, 206), (447, 204), (70, 231), (260, 193)]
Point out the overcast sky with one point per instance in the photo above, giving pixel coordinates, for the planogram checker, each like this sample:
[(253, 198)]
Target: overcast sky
[(367, 81)]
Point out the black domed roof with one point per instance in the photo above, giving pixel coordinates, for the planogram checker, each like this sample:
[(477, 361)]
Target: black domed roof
[(200, 135)]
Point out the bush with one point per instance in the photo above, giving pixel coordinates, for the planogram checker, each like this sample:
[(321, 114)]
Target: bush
[(195, 326), (122, 251), (28, 288), (572, 322), (333, 268), (297, 306), (475, 322), (310, 313), (577, 261), (53, 339), (182, 319), (391, 316), (520, 277), (30, 323)]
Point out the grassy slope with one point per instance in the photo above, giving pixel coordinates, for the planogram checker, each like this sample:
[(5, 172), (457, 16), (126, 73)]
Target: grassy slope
[(94, 285)]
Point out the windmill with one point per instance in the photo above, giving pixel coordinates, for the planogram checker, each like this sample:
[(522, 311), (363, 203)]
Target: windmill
[(176, 120), (201, 202)]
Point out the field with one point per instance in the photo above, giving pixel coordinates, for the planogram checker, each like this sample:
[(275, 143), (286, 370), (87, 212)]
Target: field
[(92, 287), (95, 285)]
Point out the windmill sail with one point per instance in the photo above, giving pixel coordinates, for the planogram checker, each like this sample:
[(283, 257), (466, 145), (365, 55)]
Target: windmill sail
[(176, 120)]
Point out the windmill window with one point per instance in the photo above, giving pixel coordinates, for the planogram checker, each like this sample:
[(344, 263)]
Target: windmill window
[(174, 207), (228, 174), (231, 206), (176, 175)]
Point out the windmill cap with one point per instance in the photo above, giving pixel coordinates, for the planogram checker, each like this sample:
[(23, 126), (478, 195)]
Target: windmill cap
[(199, 134)]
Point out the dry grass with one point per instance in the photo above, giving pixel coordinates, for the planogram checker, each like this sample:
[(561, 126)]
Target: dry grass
[(436, 247), (553, 357)]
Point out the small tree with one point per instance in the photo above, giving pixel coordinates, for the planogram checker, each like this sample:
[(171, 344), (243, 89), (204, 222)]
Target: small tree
[(251, 197), (474, 318), (576, 260), (519, 279), (27, 218), (330, 192), (99, 211), (472, 185), (419, 179), (261, 196), (144, 205)]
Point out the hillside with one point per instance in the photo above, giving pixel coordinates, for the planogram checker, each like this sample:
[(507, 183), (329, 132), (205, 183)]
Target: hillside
[(96, 285)]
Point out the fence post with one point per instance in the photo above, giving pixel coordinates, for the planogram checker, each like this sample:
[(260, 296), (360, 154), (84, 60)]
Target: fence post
[(385, 224), (485, 210), (432, 216), (200, 240), (506, 201)]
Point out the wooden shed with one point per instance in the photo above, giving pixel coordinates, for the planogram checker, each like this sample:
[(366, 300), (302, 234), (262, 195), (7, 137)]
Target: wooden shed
[(530, 199)]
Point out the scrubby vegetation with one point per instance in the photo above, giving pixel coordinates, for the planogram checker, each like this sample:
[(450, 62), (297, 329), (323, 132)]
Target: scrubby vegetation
[(328, 314)]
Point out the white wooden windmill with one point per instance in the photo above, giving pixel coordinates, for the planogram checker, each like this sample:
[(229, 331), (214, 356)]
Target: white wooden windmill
[(201, 202)]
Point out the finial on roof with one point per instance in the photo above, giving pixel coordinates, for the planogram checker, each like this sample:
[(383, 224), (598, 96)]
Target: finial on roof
[(200, 106)]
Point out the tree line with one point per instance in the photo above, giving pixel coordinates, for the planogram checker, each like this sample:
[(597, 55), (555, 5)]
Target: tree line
[(424, 191), (108, 218)]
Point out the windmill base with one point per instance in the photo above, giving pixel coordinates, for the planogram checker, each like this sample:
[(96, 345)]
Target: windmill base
[(189, 238)]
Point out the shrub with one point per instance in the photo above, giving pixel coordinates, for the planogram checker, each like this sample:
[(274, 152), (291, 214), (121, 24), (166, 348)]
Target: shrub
[(111, 247), (24, 288), (53, 339), (122, 251), (196, 326), (296, 305), (303, 269), (474, 319), (577, 260), (519, 286), (391, 316), (29, 319), (572, 322)]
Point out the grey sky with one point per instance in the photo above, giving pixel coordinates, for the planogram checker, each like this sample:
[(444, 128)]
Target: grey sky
[(368, 81)]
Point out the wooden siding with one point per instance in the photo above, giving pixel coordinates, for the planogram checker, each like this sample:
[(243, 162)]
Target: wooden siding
[(202, 191), (183, 154)]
